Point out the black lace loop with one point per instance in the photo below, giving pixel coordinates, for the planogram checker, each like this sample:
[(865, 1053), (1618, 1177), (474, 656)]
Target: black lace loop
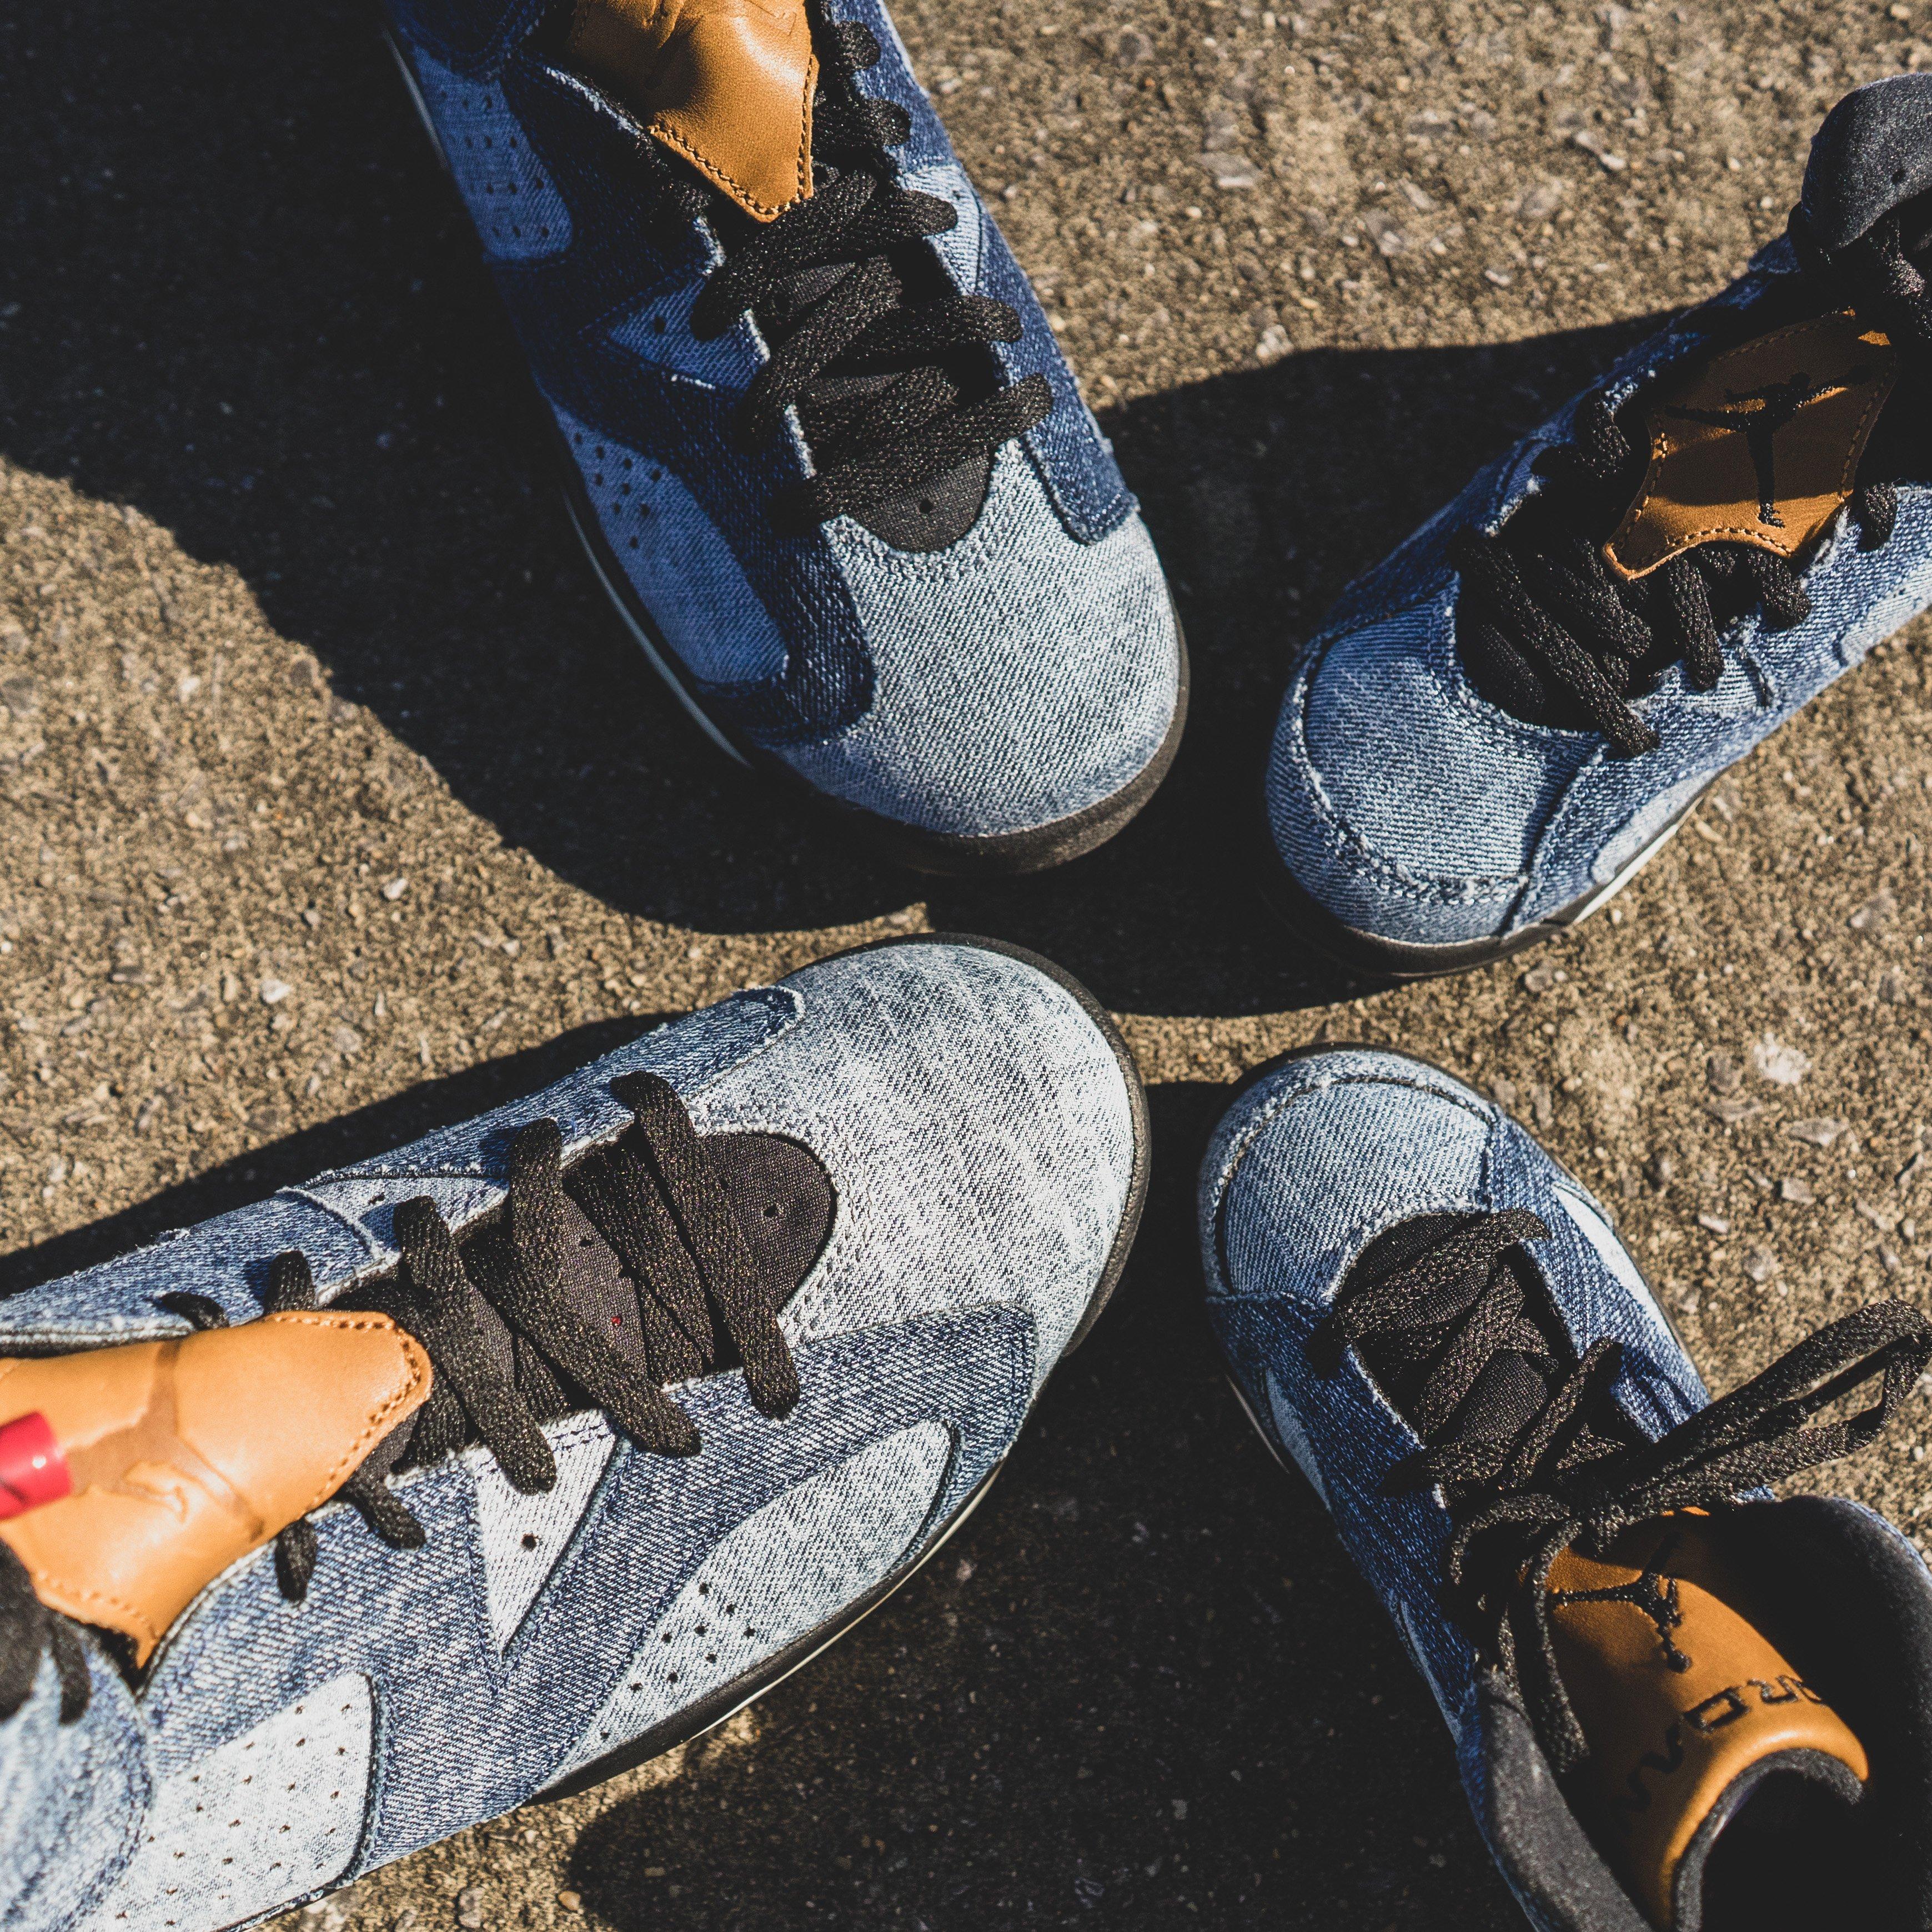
[(1535, 1453), (873, 373), (1551, 635), (652, 1194)]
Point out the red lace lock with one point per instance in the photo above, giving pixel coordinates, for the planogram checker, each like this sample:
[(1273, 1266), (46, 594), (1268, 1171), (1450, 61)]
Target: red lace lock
[(32, 1469)]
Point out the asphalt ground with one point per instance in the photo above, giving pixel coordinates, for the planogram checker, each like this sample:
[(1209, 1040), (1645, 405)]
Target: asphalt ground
[(305, 687)]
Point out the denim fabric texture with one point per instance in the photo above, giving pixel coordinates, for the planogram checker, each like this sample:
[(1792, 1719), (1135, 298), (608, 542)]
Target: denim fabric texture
[(1416, 812), (1307, 1168), (73, 1796), (1027, 673), (980, 1137)]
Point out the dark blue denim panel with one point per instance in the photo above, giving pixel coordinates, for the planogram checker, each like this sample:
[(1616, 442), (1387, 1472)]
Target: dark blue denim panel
[(471, 35), (629, 246)]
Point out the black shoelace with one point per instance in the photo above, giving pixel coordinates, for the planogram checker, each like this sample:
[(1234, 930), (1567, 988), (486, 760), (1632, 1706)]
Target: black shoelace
[(1533, 1452), (653, 1198), (1550, 633), (893, 391)]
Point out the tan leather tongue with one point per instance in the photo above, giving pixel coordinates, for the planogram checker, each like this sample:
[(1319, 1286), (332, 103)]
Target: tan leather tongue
[(186, 1455), (1678, 1692), (726, 83), (1759, 445)]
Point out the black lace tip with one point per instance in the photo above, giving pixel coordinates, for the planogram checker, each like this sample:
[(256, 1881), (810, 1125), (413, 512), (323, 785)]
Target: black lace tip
[(296, 1551)]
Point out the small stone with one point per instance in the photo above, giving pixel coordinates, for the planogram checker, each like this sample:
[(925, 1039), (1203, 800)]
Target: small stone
[(1503, 1092), (1792, 1189), (1541, 201), (1733, 1108), (274, 991), (569, 1901), (1875, 912), (395, 888), (1132, 47), (1501, 277), (1713, 1224), (1272, 345), (404, 1921), (963, 1570), (1231, 171), (1389, 238), (1891, 987), (1542, 1107), (1221, 134), (1662, 1171), (1819, 1133), (1760, 1264), (1539, 979), (1723, 1072), (1783, 1065), (1181, 1808), (1592, 143), (1418, 199)]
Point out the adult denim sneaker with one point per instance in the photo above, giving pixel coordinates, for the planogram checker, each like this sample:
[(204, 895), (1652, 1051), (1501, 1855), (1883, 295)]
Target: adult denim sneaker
[(1675, 1702), (491, 1466), (814, 430), (1498, 726)]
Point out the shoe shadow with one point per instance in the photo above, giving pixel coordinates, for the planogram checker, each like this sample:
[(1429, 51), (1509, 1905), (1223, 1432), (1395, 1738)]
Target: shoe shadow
[(1144, 1675), (236, 293), (298, 1157)]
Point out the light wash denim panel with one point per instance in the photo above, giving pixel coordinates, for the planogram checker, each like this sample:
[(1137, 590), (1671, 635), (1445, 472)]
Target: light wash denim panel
[(1307, 1168), (980, 1136), (1309, 1165), (1029, 671), (1415, 810)]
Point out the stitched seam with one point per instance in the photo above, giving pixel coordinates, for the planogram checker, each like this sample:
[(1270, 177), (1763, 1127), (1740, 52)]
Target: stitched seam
[(1660, 448), (80, 1594), (1237, 1149), (377, 1425)]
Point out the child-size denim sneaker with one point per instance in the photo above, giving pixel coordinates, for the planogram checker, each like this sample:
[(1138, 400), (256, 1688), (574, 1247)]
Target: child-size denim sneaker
[(1498, 726), (560, 1434), (814, 430), (1675, 1702)]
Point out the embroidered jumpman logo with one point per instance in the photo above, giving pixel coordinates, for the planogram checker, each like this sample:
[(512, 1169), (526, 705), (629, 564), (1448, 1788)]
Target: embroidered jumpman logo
[(1655, 1593), (1777, 403)]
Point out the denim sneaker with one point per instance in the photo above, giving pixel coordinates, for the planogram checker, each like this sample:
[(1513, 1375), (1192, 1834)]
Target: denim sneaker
[(563, 1433), (1675, 1701), (814, 429), (1496, 728)]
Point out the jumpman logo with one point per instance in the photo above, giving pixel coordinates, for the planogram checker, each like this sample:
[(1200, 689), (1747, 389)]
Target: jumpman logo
[(1777, 403)]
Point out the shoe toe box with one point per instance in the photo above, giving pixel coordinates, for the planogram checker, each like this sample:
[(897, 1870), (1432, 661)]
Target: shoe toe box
[(1020, 677), (1403, 803), (984, 1138)]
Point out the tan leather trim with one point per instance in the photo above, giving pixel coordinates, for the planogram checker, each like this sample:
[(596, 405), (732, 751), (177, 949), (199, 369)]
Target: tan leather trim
[(186, 1455), (1759, 445), (727, 84), (1674, 1713)]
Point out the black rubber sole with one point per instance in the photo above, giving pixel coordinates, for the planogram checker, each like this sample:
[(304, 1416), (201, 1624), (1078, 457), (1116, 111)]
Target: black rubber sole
[(729, 1699), (1391, 961), (1001, 854)]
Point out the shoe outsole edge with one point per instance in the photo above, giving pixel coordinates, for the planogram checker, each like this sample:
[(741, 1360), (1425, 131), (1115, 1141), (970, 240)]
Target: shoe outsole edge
[(1034, 849)]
